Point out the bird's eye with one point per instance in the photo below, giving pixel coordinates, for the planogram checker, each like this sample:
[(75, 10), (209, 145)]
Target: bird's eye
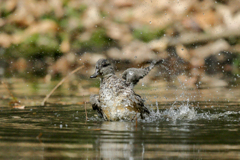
[(105, 64)]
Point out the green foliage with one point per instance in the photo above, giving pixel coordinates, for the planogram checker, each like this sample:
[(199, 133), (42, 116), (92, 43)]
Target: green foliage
[(34, 50), (10, 28), (233, 40), (73, 12), (99, 38), (50, 16), (236, 64), (98, 41), (36, 46), (146, 34), (3, 12)]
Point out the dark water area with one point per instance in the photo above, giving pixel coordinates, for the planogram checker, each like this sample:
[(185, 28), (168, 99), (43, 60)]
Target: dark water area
[(184, 124)]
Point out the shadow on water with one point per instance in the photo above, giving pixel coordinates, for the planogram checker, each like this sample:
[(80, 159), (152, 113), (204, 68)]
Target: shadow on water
[(186, 129)]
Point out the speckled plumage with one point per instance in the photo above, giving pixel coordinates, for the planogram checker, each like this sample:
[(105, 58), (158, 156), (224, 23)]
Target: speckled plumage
[(116, 100), (133, 75)]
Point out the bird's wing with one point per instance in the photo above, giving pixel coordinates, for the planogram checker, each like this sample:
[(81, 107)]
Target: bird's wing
[(94, 100)]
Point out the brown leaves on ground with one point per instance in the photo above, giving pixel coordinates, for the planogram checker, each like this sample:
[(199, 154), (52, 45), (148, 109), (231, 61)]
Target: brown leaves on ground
[(138, 31)]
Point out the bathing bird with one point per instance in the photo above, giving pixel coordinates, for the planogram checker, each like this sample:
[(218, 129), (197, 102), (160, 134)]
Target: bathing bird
[(116, 99)]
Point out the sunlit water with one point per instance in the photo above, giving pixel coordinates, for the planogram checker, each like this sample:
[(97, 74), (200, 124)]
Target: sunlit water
[(180, 126)]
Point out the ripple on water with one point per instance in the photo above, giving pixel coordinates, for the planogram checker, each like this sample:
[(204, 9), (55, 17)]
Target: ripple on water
[(191, 113)]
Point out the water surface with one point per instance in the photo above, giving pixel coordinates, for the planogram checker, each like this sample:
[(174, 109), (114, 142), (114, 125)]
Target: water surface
[(184, 124)]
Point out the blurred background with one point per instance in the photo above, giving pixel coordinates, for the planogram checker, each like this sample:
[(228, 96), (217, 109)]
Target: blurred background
[(197, 41), (192, 93)]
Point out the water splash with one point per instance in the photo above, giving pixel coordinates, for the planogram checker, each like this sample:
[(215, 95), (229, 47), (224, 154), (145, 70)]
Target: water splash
[(186, 112)]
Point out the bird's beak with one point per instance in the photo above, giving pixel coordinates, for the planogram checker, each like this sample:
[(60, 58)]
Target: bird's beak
[(95, 74)]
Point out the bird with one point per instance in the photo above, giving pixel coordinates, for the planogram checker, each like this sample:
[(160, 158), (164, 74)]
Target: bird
[(116, 99), (133, 75)]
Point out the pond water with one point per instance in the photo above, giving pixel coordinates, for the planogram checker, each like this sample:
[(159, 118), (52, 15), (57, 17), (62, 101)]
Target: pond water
[(184, 124)]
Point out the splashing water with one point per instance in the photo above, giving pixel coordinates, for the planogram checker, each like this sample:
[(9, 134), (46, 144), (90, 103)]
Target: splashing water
[(172, 114), (189, 113), (184, 112)]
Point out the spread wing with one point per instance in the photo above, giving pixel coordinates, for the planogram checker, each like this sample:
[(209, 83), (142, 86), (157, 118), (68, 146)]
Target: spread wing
[(133, 75)]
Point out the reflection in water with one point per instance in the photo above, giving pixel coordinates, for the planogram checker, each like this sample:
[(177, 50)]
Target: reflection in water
[(196, 129), (179, 132), (123, 144)]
